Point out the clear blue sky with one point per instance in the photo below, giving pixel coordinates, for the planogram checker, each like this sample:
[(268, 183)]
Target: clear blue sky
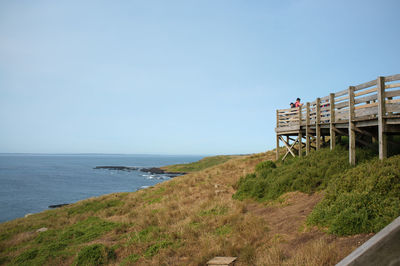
[(178, 77)]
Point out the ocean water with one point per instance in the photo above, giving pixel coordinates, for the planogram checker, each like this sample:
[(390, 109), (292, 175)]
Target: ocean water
[(29, 183)]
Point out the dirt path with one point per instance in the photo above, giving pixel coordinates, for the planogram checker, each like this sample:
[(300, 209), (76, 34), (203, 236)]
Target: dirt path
[(286, 222)]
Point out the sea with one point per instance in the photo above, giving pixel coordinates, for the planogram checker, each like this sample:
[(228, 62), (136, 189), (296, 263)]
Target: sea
[(30, 183)]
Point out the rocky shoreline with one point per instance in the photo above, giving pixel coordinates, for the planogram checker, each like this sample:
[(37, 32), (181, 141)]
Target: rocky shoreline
[(151, 170)]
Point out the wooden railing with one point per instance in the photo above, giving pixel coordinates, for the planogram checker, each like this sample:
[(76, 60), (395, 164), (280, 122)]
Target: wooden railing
[(374, 103), (366, 101)]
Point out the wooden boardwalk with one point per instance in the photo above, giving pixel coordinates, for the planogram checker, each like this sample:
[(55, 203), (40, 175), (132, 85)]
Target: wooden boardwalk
[(366, 113)]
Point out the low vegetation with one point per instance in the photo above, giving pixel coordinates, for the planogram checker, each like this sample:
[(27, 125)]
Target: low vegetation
[(204, 163), (361, 199), (244, 206)]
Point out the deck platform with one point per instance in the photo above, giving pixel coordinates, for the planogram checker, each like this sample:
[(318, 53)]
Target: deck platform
[(366, 113)]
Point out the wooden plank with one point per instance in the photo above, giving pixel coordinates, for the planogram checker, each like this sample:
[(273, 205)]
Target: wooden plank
[(365, 85), (342, 111), (324, 98), (342, 105), (367, 123), (366, 111), (393, 107), (365, 92), (352, 135), (341, 93), (372, 97), (382, 138), (393, 121), (392, 101), (287, 110), (287, 128), (365, 106), (288, 113), (393, 85), (293, 118), (392, 78), (341, 117), (393, 93), (342, 123), (342, 99), (220, 261)]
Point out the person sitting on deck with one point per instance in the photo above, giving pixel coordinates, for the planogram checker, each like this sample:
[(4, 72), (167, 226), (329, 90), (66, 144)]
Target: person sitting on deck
[(297, 104), (292, 105)]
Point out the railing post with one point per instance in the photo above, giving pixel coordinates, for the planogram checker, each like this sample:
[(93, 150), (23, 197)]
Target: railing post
[(300, 134), (352, 133), (332, 132), (277, 136), (308, 128), (317, 123), (382, 138)]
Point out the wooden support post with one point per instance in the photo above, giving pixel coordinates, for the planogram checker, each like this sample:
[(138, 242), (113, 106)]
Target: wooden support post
[(277, 137), (317, 123), (352, 133), (308, 128), (289, 148), (382, 137), (300, 135), (332, 120)]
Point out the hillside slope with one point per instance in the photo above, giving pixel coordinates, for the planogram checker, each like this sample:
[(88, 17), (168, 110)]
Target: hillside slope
[(184, 221)]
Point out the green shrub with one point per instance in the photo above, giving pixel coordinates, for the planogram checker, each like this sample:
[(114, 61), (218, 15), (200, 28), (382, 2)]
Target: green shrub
[(362, 200), (306, 174), (96, 254)]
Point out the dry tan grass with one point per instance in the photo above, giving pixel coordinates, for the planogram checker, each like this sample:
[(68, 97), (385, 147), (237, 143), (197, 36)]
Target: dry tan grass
[(198, 219)]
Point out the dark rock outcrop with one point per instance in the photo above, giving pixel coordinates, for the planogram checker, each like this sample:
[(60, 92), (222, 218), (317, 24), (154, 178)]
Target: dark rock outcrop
[(58, 205), (153, 170), (122, 168), (159, 171)]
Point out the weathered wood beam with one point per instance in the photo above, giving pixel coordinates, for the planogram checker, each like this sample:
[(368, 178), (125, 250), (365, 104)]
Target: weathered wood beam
[(300, 137), (287, 146), (277, 148), (382, 138), (308, 128), (277, 136), (317, 121), (332, 132), (352, 134), (289, 150)]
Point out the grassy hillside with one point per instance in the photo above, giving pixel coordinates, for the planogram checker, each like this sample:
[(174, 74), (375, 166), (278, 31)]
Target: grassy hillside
[(360, 199), (188, 220), (204, 163)]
